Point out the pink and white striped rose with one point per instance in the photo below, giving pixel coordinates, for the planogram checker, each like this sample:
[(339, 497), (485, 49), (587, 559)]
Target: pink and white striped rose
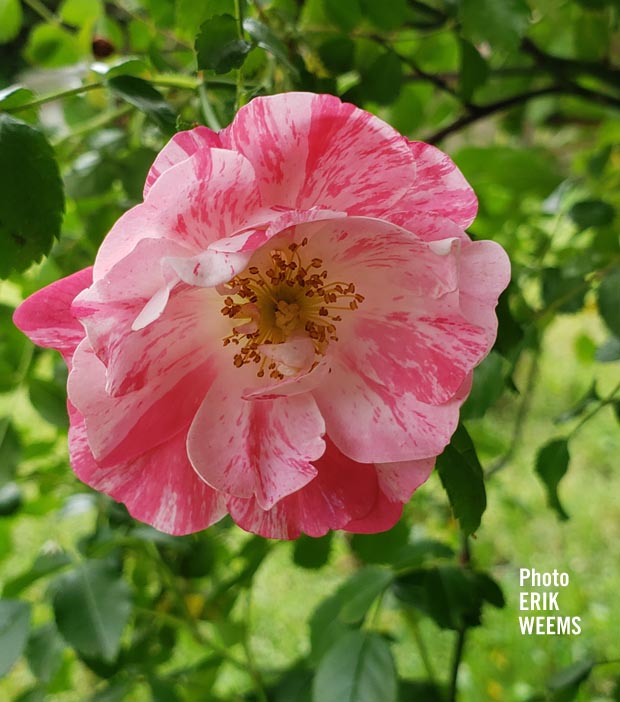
[(284, 330)]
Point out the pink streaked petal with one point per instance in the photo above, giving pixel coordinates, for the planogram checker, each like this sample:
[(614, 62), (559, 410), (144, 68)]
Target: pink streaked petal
[(304, 381), (203, 198), (427, 226), (485, 273), (313, 150), (439, 188), (401, 479), (371, 424), (46, 316), (160, 487), (181, 146), (255, 238), (428, 357), (342, 491), (122, 428), (262, 448), (383, 516), (209, 268)]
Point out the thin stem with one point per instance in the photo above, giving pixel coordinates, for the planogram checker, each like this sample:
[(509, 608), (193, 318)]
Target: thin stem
[(55, 96), (239, 15), (42, 11), (459, 648), (203, 641), (607, 400), (94, 124), (478, 112), (252, 667), (522, 413), (207, 109), (421, 644)]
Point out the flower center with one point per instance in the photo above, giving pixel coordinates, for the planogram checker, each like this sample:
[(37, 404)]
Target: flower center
[(291, 299)]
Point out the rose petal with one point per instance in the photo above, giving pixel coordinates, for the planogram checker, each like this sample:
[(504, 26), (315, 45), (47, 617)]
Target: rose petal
[(341, 492), (159, 487), (440, 189), (207, 196), (313, 150), (46, 317), (122, 428), (262, 448), (180, 147)]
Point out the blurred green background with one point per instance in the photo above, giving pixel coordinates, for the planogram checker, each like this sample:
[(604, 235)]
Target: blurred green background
[(525, 96)]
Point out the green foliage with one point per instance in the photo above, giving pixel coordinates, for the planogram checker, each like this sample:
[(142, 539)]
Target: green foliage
[(14, 628), (462, 477), (551, 465), (358, 668), (92, 604), (31, 197), (218, 45), (524, 95)]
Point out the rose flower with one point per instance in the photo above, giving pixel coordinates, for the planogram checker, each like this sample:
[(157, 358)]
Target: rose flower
[(284, 330)]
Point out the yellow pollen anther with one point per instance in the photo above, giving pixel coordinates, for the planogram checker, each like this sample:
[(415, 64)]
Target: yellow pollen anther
[(282, 301)]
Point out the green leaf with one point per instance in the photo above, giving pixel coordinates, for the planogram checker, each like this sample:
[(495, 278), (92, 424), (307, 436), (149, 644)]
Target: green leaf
[(609, 351), (218, 45), (337, 53), (44, 564), (14, 630), (312, 553), (52, 46), (462, 478), (10, 450), (345, 14), (451, 595), (361, 590), (551, 466), (141, 94), (10, 499), (31, 196), (80, 12), (473, 72), (326, 625), (382, 81), (11, 19), (358, 668), (384, 547), (608, 296), (266, 39), (488, 387), (295, 686), (565, 286), (387, 14), (501, 24), (92, 604), (45, 652), (50, 400), (592, 213), (191, 14), (565, 683)]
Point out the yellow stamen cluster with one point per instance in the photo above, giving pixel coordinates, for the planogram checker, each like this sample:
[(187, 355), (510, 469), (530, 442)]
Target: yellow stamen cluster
[(289, 298)]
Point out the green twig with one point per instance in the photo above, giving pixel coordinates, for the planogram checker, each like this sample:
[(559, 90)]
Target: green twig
[(459, 648), (43, 11), (607, 400), (207, 109)]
